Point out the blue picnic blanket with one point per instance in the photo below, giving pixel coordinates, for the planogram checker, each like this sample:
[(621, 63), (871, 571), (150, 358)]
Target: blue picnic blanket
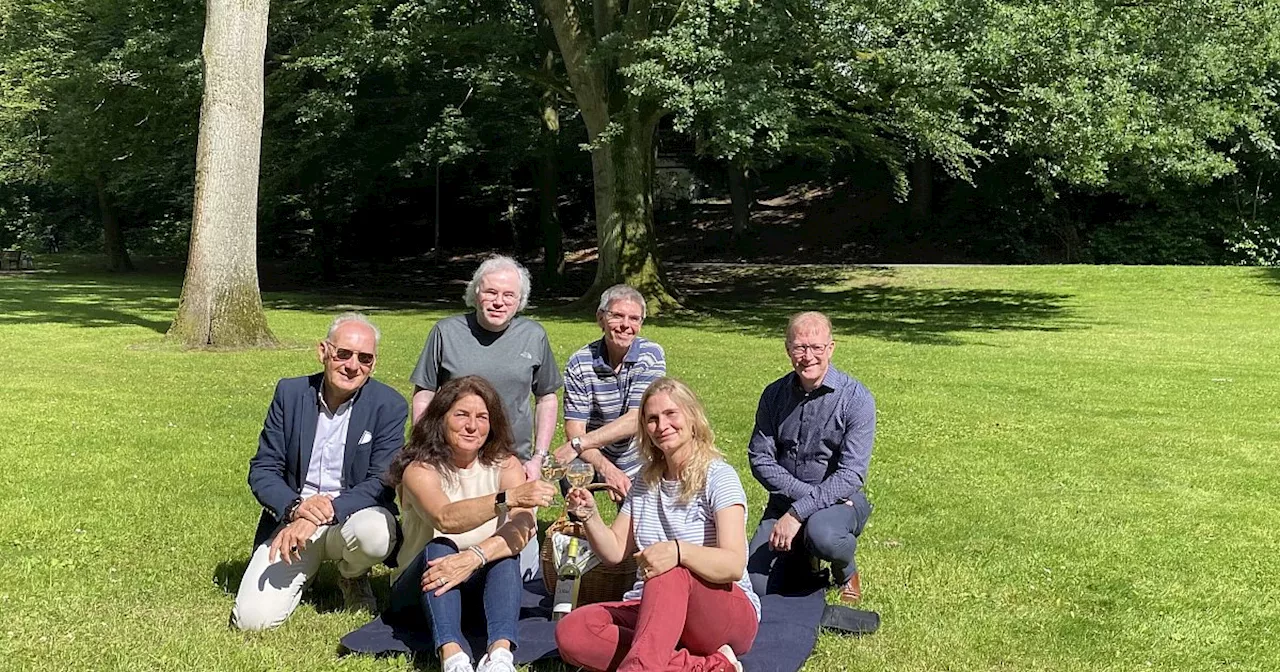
[(788, 632)]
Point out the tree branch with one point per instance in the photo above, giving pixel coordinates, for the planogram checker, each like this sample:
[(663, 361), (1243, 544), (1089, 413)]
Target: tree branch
[(575, 48)]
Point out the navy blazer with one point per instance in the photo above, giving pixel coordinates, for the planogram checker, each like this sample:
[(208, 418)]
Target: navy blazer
[(279, 469)]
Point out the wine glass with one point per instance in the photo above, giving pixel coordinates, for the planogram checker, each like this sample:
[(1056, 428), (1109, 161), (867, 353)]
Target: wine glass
[(552, 470), (580, 474)]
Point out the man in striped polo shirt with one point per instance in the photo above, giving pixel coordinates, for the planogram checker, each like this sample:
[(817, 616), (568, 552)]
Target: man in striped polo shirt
[(603, 383)]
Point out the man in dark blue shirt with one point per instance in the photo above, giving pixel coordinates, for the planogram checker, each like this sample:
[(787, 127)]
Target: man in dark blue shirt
[(810, 449)]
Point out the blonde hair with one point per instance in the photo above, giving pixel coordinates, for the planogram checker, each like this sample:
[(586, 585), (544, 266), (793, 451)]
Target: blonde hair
[(693, 476)]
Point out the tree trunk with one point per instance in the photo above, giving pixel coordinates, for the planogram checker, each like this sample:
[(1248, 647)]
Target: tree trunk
[(623, 178), (113, 238), (221, 305), (740, 199), (622, 164), (920, 201), (548, 184)]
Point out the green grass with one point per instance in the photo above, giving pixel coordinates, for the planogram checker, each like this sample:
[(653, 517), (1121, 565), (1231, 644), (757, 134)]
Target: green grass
[(1075, 466)]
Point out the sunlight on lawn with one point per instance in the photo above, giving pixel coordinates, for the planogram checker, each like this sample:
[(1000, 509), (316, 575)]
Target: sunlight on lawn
[(1074, 467)]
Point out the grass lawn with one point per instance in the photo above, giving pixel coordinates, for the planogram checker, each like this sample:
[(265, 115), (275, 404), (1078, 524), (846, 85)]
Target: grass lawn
[(1075, 466)]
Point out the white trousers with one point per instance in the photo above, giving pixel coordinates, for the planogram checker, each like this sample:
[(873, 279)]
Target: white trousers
[(270, 591)]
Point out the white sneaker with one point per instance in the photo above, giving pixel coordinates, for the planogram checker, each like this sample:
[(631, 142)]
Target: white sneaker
[(497, 660), (458, 662), (733, 660)]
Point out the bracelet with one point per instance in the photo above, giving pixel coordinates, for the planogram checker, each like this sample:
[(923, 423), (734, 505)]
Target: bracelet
[(479, 554), (677, 552)]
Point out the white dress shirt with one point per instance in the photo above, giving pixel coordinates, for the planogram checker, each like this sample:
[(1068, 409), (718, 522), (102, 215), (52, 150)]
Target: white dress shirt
[(324, 473)]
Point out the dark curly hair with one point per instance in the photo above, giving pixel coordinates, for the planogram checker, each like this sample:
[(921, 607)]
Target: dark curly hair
[(427, 442)]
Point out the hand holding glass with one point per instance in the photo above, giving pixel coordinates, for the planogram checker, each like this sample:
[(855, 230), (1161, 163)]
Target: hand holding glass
[(552, 470), (580, 475)]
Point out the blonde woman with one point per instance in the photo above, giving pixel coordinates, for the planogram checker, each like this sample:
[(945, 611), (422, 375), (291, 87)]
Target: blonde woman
[(692, 607)]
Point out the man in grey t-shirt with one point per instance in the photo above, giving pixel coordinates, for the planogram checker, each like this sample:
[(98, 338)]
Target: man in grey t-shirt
[(509, 351)]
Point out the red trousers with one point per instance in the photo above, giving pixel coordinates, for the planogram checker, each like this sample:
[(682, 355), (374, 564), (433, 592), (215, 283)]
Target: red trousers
[(678, 609)]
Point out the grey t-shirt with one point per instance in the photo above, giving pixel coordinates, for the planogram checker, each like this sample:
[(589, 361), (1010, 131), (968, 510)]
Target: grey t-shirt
[(516, 361)]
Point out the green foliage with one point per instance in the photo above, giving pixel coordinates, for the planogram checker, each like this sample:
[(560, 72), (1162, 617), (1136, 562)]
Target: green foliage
[(102, 91)]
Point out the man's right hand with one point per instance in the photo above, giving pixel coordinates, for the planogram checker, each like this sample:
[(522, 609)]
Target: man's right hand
[(618, 481), (318, 509), (531, 494), (290, 542)]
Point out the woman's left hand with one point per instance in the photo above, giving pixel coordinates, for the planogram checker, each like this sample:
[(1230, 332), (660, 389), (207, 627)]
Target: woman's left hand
[(656, 560), (444, 573)]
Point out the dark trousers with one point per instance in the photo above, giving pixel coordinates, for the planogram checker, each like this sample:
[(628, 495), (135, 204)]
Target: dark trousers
[(831, 534), (497, 585)]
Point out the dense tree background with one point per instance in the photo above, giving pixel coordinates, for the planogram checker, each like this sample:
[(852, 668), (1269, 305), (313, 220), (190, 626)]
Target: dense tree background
[(977, 130)]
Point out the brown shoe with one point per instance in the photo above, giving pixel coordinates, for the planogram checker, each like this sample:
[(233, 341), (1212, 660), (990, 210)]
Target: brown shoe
[(851, 592)]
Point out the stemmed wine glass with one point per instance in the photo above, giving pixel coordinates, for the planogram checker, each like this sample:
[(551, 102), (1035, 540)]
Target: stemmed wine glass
[(580, 474)]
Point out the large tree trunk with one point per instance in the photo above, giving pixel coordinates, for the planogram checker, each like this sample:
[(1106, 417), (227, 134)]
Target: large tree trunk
[(622, 163), (221, 305), (623, 178), (112, 237)]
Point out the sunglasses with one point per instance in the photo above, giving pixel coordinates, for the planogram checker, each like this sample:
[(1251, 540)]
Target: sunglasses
[(343, 354)]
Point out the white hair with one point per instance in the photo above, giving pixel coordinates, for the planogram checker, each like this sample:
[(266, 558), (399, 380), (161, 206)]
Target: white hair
[(353, 317), (495, 263), (622, 293)]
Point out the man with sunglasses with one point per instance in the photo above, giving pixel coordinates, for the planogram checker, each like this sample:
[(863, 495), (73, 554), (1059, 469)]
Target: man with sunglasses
[(810, 449), (327, 441)]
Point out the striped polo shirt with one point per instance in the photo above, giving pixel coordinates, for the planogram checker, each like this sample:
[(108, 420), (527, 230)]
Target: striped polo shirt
[(658, 515), (594, 394)]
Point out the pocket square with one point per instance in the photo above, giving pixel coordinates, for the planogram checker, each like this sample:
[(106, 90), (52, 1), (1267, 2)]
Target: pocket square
[(365, 438)]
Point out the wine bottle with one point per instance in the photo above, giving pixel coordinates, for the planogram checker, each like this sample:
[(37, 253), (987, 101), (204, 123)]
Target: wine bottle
[(567, 576)]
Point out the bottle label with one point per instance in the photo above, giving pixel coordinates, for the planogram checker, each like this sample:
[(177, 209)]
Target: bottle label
[(566, 593)]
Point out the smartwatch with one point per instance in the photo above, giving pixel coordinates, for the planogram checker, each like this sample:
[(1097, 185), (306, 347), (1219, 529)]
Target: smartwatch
[(500, 502), (576, 444)]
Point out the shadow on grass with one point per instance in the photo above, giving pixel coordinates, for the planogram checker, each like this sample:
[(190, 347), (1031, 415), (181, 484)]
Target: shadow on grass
[(759, 300), (322, 592), (1271, 273), (87, 301), (723, 298)]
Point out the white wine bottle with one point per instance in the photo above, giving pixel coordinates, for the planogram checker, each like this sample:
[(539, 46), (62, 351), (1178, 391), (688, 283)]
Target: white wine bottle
[(567, 576)]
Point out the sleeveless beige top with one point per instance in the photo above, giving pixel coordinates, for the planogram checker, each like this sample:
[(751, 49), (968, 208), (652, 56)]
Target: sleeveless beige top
[(418, 527)]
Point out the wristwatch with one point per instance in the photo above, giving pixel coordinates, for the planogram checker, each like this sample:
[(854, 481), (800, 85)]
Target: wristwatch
[(576, 444), (500, 502), (293, 508)]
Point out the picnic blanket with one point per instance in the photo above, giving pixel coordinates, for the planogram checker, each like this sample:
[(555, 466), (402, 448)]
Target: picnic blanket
[(788, 630)]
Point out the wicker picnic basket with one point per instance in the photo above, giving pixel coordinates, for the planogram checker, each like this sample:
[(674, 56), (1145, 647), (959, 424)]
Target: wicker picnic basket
[(602, 583)]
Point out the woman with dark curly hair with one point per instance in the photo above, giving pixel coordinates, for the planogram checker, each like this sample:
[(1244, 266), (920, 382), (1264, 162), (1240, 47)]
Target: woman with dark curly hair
[(466, 513)]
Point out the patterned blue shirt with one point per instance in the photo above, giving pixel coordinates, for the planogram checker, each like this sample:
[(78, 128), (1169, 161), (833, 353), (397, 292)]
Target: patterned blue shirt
[(811, 449), (594, 394)]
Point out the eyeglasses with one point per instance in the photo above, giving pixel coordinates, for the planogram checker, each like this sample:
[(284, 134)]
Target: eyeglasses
[(611, 316), (343, 354), (799, 349)]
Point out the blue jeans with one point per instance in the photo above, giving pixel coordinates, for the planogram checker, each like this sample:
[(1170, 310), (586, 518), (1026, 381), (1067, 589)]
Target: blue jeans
[(498, 585), (831, 534)]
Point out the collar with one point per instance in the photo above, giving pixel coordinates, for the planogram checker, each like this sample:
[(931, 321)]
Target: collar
[(341, 407), (599, 350), (833, 380)]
